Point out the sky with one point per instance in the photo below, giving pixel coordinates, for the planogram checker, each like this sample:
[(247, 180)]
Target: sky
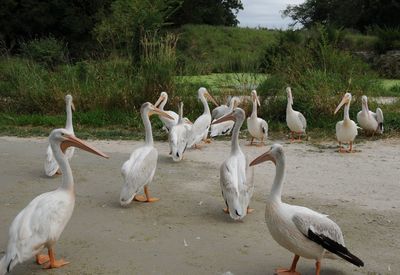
[(265, 13)]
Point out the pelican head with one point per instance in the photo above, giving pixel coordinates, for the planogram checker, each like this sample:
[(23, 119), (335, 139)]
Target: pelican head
[(64, 139), (289, 95), (345, 100), (163, 98), (236, 115), (274, 154), (149, 109), (364, 100), (202, 92), (234, 102), (68, 100), (254, 97)]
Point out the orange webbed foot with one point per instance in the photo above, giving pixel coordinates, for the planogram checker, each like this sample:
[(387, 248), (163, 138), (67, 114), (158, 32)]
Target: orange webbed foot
[(55, 264), (250, 210), (285, 271), (152, 199), (140, 198), (226, 210), (42, 258)]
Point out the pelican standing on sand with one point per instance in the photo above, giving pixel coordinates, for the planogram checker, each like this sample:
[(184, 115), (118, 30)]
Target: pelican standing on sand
[(370, 121), (236, 183), (200, 127), (168, 122), (178, 137), (258, 127), (346, 130), (300, 230), (40, 224), (139, 169), (50, 164), (295, 120), (225, 127)]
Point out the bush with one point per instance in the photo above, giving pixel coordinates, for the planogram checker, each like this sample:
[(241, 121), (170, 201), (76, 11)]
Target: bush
[(48, 52), (388, 38)]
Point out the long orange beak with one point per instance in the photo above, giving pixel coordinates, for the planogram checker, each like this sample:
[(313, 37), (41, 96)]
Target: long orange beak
[(159, 100), (76, 142), (344, 101), (72, 106), (264, 157), (212, 99), (224, 118), (157, 111)]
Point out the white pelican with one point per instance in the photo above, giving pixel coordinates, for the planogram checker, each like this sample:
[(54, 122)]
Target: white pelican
[(258, 127), (40, 224), (178, 137), (168, 122), (346, 130), (50, 164), (295, 120), (200, 127), (300, 230), (225, 127), (370, 121), (222, 110), (236, 184), (139, 169)]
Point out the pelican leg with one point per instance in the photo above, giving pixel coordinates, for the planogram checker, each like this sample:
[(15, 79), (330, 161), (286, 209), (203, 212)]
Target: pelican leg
[(149, 199), (291, 136), (53, 262), (226, 210), (196, 146), (299, 137), (250, 210), (58, 172), (292, 270), (350, 147), (42, 258), (317, 267), (207, 140), (340, 148)]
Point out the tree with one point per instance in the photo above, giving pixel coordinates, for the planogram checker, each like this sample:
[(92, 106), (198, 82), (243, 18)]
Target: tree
[(209, 12), (356, 14)]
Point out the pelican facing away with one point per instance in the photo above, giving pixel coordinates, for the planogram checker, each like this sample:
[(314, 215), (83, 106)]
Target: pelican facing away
[(178, 137), (225, 127), (50, 164), (200, 127), (300, 230), (295, 120), (236, 183), (370, 121), (139, 169), (40, 224), (168, 122), (346, 129), (258, 127)]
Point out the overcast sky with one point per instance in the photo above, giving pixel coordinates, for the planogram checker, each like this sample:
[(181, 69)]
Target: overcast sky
[(265, 13)]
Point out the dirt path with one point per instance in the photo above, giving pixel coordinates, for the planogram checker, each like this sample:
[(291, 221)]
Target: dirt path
[(186, 232)]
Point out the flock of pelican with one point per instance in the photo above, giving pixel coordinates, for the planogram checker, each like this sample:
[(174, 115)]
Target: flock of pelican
[(300, 230)]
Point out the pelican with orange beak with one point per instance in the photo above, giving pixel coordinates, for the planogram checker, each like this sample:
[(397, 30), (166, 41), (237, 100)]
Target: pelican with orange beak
[(50, 164), (302, 231), (139, 169), (346, 130), (368, 120), (236, 181), (295, 120), (40, 224), (168, 122), (200, 127), (258, 127)]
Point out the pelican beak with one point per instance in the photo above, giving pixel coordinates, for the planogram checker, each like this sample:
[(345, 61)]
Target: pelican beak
[(224, 118), (159, 100), (344, 101), (212, 99), (264, 157), (157, 111), (258, 101), (188, 121), (72, 140), (72, 106)]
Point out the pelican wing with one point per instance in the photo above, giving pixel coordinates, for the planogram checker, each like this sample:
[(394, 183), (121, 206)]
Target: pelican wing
[(219, 111), (223, 128), (199, 129), (138, 170), (379, 118), (264, 127), (302, 120), (178, 140)]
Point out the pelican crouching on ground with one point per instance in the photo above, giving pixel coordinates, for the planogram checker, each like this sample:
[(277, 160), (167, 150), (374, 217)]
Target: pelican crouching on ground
[(258, 127), (50, 164), (295, 120), (40, 224), (236, 183), (200, 127), (300, 230), (224, 128), (346, 129), (139, 169), (370, 121), (178, 137)]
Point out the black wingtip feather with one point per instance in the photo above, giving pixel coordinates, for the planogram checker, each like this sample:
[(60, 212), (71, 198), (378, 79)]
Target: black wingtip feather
[(335, 248)]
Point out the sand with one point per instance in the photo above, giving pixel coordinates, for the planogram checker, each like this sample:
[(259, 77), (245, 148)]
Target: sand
[(186, 232)]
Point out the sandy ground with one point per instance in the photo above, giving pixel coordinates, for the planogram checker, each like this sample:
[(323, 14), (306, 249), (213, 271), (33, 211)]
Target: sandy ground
[(186, 232)]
